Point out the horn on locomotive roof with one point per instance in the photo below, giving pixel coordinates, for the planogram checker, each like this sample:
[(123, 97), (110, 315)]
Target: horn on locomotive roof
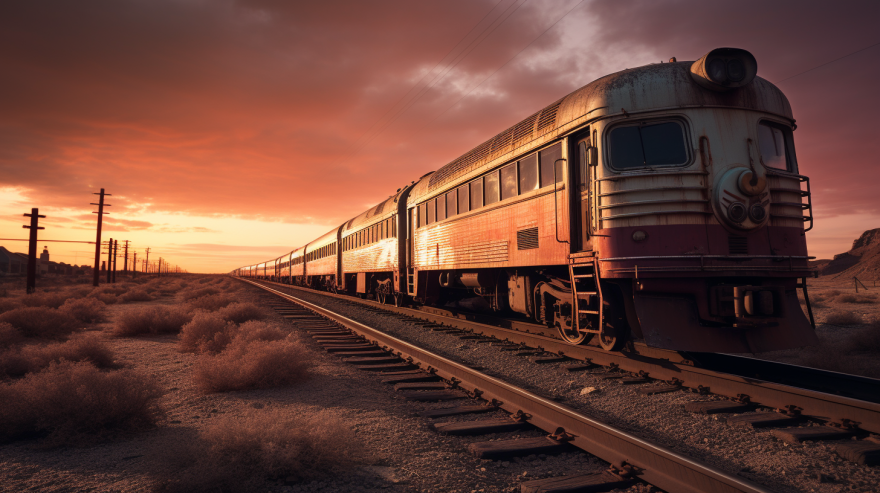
[(723, 69)]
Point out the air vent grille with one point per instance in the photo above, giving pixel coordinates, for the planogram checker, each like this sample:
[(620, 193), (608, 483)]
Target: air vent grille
[(525, 127), (527, 239), (738, 245), (548, 116)]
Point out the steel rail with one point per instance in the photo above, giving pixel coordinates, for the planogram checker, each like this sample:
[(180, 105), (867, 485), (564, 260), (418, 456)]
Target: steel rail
[(652, 463), (681, 368)]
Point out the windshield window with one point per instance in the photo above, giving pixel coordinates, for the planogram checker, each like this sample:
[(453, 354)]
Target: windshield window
[(771, 140), (648, 144)]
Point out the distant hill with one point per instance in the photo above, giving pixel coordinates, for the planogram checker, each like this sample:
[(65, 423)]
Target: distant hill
[(862, 260)]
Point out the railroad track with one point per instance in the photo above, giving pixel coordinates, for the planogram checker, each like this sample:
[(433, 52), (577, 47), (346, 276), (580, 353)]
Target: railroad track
[(848, 404), (630, 457)]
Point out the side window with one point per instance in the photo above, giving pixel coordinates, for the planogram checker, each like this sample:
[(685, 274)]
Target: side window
[(441, 207), (648, 144), (508, 181), (463, 199), (422, 216), (528, 174), (491, 186), (549, 156), (432, 209), (774, 142), (394, 226), (476, 194), (451, 204)]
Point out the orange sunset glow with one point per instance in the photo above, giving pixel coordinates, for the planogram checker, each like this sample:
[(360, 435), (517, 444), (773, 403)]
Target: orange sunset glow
[(231, 132)]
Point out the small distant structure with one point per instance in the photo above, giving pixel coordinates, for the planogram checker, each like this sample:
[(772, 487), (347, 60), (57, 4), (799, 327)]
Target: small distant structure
[(11, 263), (43, 262)]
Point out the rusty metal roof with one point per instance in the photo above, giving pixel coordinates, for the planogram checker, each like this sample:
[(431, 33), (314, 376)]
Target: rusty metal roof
[(655, 86)]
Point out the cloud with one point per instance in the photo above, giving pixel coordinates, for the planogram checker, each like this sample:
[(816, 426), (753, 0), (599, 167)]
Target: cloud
[(301, 112)]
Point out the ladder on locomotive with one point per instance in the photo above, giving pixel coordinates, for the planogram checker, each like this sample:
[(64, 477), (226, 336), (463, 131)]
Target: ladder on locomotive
[(586, 293), (410, 281)]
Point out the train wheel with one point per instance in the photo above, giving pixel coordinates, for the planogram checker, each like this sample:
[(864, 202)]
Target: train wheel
[(572, 336), (611, 342)]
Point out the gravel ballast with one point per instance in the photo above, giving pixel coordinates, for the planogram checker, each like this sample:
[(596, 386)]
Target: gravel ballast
[(754, 455)]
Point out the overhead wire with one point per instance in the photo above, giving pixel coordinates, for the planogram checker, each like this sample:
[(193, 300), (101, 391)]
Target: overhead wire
[(827, 63)]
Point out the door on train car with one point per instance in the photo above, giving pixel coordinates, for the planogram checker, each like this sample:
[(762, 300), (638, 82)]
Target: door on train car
[(581, 180)]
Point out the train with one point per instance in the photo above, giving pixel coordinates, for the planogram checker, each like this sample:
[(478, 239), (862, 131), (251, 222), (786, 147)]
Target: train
[(660, 204)]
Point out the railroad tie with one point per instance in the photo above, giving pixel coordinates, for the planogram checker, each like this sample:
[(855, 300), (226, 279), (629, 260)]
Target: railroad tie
[(763, 420), (716, 407), (506, 449), (455, 411), (813, 433), (865, 452), (420, 386), (548, 359), (479, 427), (583, 483), (432, 395)]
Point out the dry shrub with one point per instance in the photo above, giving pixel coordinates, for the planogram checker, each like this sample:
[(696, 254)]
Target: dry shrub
[(255, 330), (114, 289), (136, 295), (856, 298), (68, 401), (40, 322), (89, 310), (152, 320), (241, 453), (243, 312), (9, 336), (867, 339), (51, 300), (7, 305), (212, 302), (30, 359), (247, 365), (837, 317), (207, 332), (106, 298), (832, 293), (191, 294)]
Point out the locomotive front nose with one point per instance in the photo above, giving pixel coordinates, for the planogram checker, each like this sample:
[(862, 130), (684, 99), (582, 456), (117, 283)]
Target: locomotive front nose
[(723, 69)]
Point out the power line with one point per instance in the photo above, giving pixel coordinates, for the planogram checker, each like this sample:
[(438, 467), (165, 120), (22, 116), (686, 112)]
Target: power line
[(828, 63)]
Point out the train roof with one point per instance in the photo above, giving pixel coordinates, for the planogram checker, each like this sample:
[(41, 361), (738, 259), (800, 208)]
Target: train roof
[(376, 213), (324, 239), (648, 88)]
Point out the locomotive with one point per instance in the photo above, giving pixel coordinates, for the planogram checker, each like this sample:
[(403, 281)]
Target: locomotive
[(661, 203)]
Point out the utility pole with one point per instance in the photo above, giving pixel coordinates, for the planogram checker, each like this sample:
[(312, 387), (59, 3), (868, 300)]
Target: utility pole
[(159, 270), (134, 265), (115, 256), (147, 261), (110, 260), (125, 260), (100, 214), (32, 249)]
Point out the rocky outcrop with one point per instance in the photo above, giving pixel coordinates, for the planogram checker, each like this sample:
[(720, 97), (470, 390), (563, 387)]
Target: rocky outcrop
[(862, 261)]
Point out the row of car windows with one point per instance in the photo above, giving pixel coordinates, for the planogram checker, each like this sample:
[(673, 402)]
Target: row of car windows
[(324, 251), (371, 234), (532, 172)]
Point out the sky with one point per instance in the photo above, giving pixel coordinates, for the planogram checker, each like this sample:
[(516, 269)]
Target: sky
[(230, 132)]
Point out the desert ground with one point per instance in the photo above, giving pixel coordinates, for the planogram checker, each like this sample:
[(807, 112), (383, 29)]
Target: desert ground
[(186, 383)]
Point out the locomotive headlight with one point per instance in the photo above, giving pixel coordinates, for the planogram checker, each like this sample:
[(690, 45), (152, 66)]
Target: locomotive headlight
[(737, 212), (723, 69), (639, 235), (757, 212), (736, 70)]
